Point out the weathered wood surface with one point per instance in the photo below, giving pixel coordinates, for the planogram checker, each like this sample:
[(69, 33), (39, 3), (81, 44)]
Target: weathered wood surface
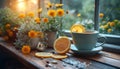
[(32, 62)]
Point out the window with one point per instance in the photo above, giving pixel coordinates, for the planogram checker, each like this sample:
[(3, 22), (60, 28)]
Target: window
[(88, 11)]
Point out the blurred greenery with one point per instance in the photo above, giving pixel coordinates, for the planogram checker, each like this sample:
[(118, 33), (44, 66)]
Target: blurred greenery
[(84, 7), (111, 11), (110, 8)]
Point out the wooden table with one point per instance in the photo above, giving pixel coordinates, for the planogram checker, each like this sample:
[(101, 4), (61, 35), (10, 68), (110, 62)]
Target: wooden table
[(104, 60)]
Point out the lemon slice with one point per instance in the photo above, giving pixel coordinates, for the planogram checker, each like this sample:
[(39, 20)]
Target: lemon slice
[(78, 28), (43, 54), (55, 56), (62, 45)]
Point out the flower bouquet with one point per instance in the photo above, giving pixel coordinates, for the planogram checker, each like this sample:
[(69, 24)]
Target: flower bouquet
[(30, 32), (8, 24)]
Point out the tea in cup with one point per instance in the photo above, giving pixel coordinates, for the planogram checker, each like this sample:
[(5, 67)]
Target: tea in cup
[(86, 40)]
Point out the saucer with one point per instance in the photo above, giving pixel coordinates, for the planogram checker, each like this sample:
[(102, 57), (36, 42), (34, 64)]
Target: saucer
[(93, 51)]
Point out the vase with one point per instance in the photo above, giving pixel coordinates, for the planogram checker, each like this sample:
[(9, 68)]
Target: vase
[(51, 37), (34, 42)]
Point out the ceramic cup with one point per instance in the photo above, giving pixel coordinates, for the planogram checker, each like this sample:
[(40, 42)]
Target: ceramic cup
[(86, 40)]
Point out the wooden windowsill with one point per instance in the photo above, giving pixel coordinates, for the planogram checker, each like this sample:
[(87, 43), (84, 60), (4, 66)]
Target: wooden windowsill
[(106, 59)]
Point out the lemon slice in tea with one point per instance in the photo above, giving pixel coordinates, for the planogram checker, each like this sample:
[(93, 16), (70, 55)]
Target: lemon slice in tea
[(78, 28), (62, 45)]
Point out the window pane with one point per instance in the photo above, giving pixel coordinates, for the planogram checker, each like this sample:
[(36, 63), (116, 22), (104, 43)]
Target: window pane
[(83, 7), (110, 22)]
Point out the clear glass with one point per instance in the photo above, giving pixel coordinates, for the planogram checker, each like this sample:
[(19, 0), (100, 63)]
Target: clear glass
[(80, 11), (110, 17)]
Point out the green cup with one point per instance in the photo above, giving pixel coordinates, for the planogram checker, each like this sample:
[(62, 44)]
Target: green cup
[(86, 40)]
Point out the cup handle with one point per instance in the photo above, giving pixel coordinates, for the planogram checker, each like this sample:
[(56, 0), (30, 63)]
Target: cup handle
[(103, 38)]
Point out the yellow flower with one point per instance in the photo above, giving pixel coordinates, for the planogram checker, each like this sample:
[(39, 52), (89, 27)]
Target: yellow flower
[(32, 34), (45, 20), (10, 33), (31, 14), (79, 15), (60, 12), (105, 26), (40, 34), (7, 25), (112, 24), (40, 10), (22, 15), (37, 20), (26, 49), (58, 5), (51, 13), (49, 5), (101, 15), (109, 30)]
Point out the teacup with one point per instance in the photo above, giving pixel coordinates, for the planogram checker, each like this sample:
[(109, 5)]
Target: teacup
[(86, 40)]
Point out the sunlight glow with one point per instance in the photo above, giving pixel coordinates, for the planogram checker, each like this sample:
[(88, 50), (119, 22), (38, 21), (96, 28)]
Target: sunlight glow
[(26, 5), (34, 1), (21, 5)]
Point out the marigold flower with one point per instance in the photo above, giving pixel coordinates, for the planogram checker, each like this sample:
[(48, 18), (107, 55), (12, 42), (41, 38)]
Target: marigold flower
[(10, 33), (26, 49), (109, 30), (37, 20), (51, 13), (22, 15), (7, 25), (60, 12), (79, 15), (32, 34), (101, 15), (31, 14), (45, 20), (112, 24)]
